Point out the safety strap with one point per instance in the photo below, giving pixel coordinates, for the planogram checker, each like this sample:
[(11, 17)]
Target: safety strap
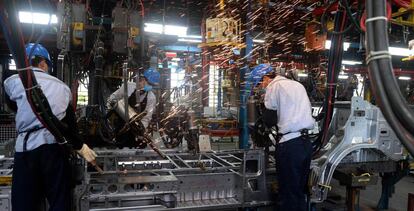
[(303, 133), (28, 132)]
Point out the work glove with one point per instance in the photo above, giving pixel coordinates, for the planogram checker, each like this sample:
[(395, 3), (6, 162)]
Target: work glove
[(87, 153), (110, 104)]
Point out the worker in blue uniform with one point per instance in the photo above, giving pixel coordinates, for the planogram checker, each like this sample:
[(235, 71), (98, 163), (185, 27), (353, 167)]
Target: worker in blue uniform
[(41, 168), (288, 104)]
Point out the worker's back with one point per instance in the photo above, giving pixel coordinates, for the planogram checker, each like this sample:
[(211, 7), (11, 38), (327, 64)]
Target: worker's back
[(293, 107), (58, 95)]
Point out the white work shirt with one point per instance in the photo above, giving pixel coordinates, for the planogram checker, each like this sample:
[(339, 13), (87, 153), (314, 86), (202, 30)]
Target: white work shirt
[(151, 101), (294, 111), (57, 93)]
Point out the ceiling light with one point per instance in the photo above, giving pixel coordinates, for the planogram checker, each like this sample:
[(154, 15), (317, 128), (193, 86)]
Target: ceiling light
[(153, 27), (404, 78), (37, 18), (343, 77), (328, 45), (393, 50), (399, 51), (180, 31), (258, 41), (302, 75), (189, 40), (175, 30), (350, 62), (191, 36)]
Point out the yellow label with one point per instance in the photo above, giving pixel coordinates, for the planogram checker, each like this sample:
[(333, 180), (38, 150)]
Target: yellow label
[(78, 26), (134, 31), (5, 180)]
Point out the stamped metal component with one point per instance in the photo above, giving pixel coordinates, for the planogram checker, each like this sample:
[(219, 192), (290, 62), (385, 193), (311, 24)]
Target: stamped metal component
[(180, 181), (367, 137)]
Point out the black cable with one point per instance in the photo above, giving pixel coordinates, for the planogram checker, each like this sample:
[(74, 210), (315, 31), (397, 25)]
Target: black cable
[(350, 17), (397, 100), (324, 25), (334, 67), (35, 96), (375, 33)]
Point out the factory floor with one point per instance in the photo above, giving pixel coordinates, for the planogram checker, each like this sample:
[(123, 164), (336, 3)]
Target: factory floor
[(336, 198), (370, 196)]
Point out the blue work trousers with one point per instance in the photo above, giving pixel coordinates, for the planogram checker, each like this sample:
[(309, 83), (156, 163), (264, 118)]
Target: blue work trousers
[(39, 174), (293, 159)]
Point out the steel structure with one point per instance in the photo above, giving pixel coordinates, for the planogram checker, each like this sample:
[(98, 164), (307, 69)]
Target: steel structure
[(136, 180), (366, 137)]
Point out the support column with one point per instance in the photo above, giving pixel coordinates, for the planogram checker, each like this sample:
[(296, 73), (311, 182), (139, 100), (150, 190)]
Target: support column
[(244, 94)]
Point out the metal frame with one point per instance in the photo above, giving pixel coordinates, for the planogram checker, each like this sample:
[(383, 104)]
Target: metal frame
[(181, 181), (367, 138)]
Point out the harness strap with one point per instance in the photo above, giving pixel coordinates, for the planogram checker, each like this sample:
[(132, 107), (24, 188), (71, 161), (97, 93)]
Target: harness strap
[(28, 132), (303, 133)]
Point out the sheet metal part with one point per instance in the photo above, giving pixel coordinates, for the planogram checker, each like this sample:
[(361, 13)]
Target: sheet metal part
[(138, 179), (367, 137)]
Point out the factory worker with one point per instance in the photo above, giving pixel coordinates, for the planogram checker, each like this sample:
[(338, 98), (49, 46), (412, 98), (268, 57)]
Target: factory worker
[(41, 168), (287, 102), (147, 100)]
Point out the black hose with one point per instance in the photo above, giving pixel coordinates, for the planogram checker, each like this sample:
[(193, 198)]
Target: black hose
[(35, 96), (350, 17), (334, 67), (397, 100), (323, 22), (375, 33)]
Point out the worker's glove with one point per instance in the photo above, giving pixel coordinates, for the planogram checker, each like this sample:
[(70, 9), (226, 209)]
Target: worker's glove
[(110, 104), (87, 153)]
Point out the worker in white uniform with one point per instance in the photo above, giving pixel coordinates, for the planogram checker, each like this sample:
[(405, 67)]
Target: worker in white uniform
[(147, 101), (289, 99), (41, 167)]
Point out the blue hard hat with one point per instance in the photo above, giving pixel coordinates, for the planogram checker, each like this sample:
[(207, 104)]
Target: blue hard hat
[(258, 72), (38, 50), (152, 76)]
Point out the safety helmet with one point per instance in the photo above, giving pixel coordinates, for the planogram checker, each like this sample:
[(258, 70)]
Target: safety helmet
[(152, 76), (258, 72), (33, 50)]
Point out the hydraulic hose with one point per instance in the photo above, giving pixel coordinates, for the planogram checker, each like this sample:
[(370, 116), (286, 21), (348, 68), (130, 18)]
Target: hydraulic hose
[(396, 99), (35, 96), (334, 67), (376, 34)]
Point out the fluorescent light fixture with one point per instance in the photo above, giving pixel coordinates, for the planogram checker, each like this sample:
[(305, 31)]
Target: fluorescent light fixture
[(328, 45), (404, 78), (258, 41), (350, 62), (180, 31), (393, 50), (399, 51), (343, 77), (175, 30), (189, 40), (37, 18), (302, 75), (153, 27), (191, 36)]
